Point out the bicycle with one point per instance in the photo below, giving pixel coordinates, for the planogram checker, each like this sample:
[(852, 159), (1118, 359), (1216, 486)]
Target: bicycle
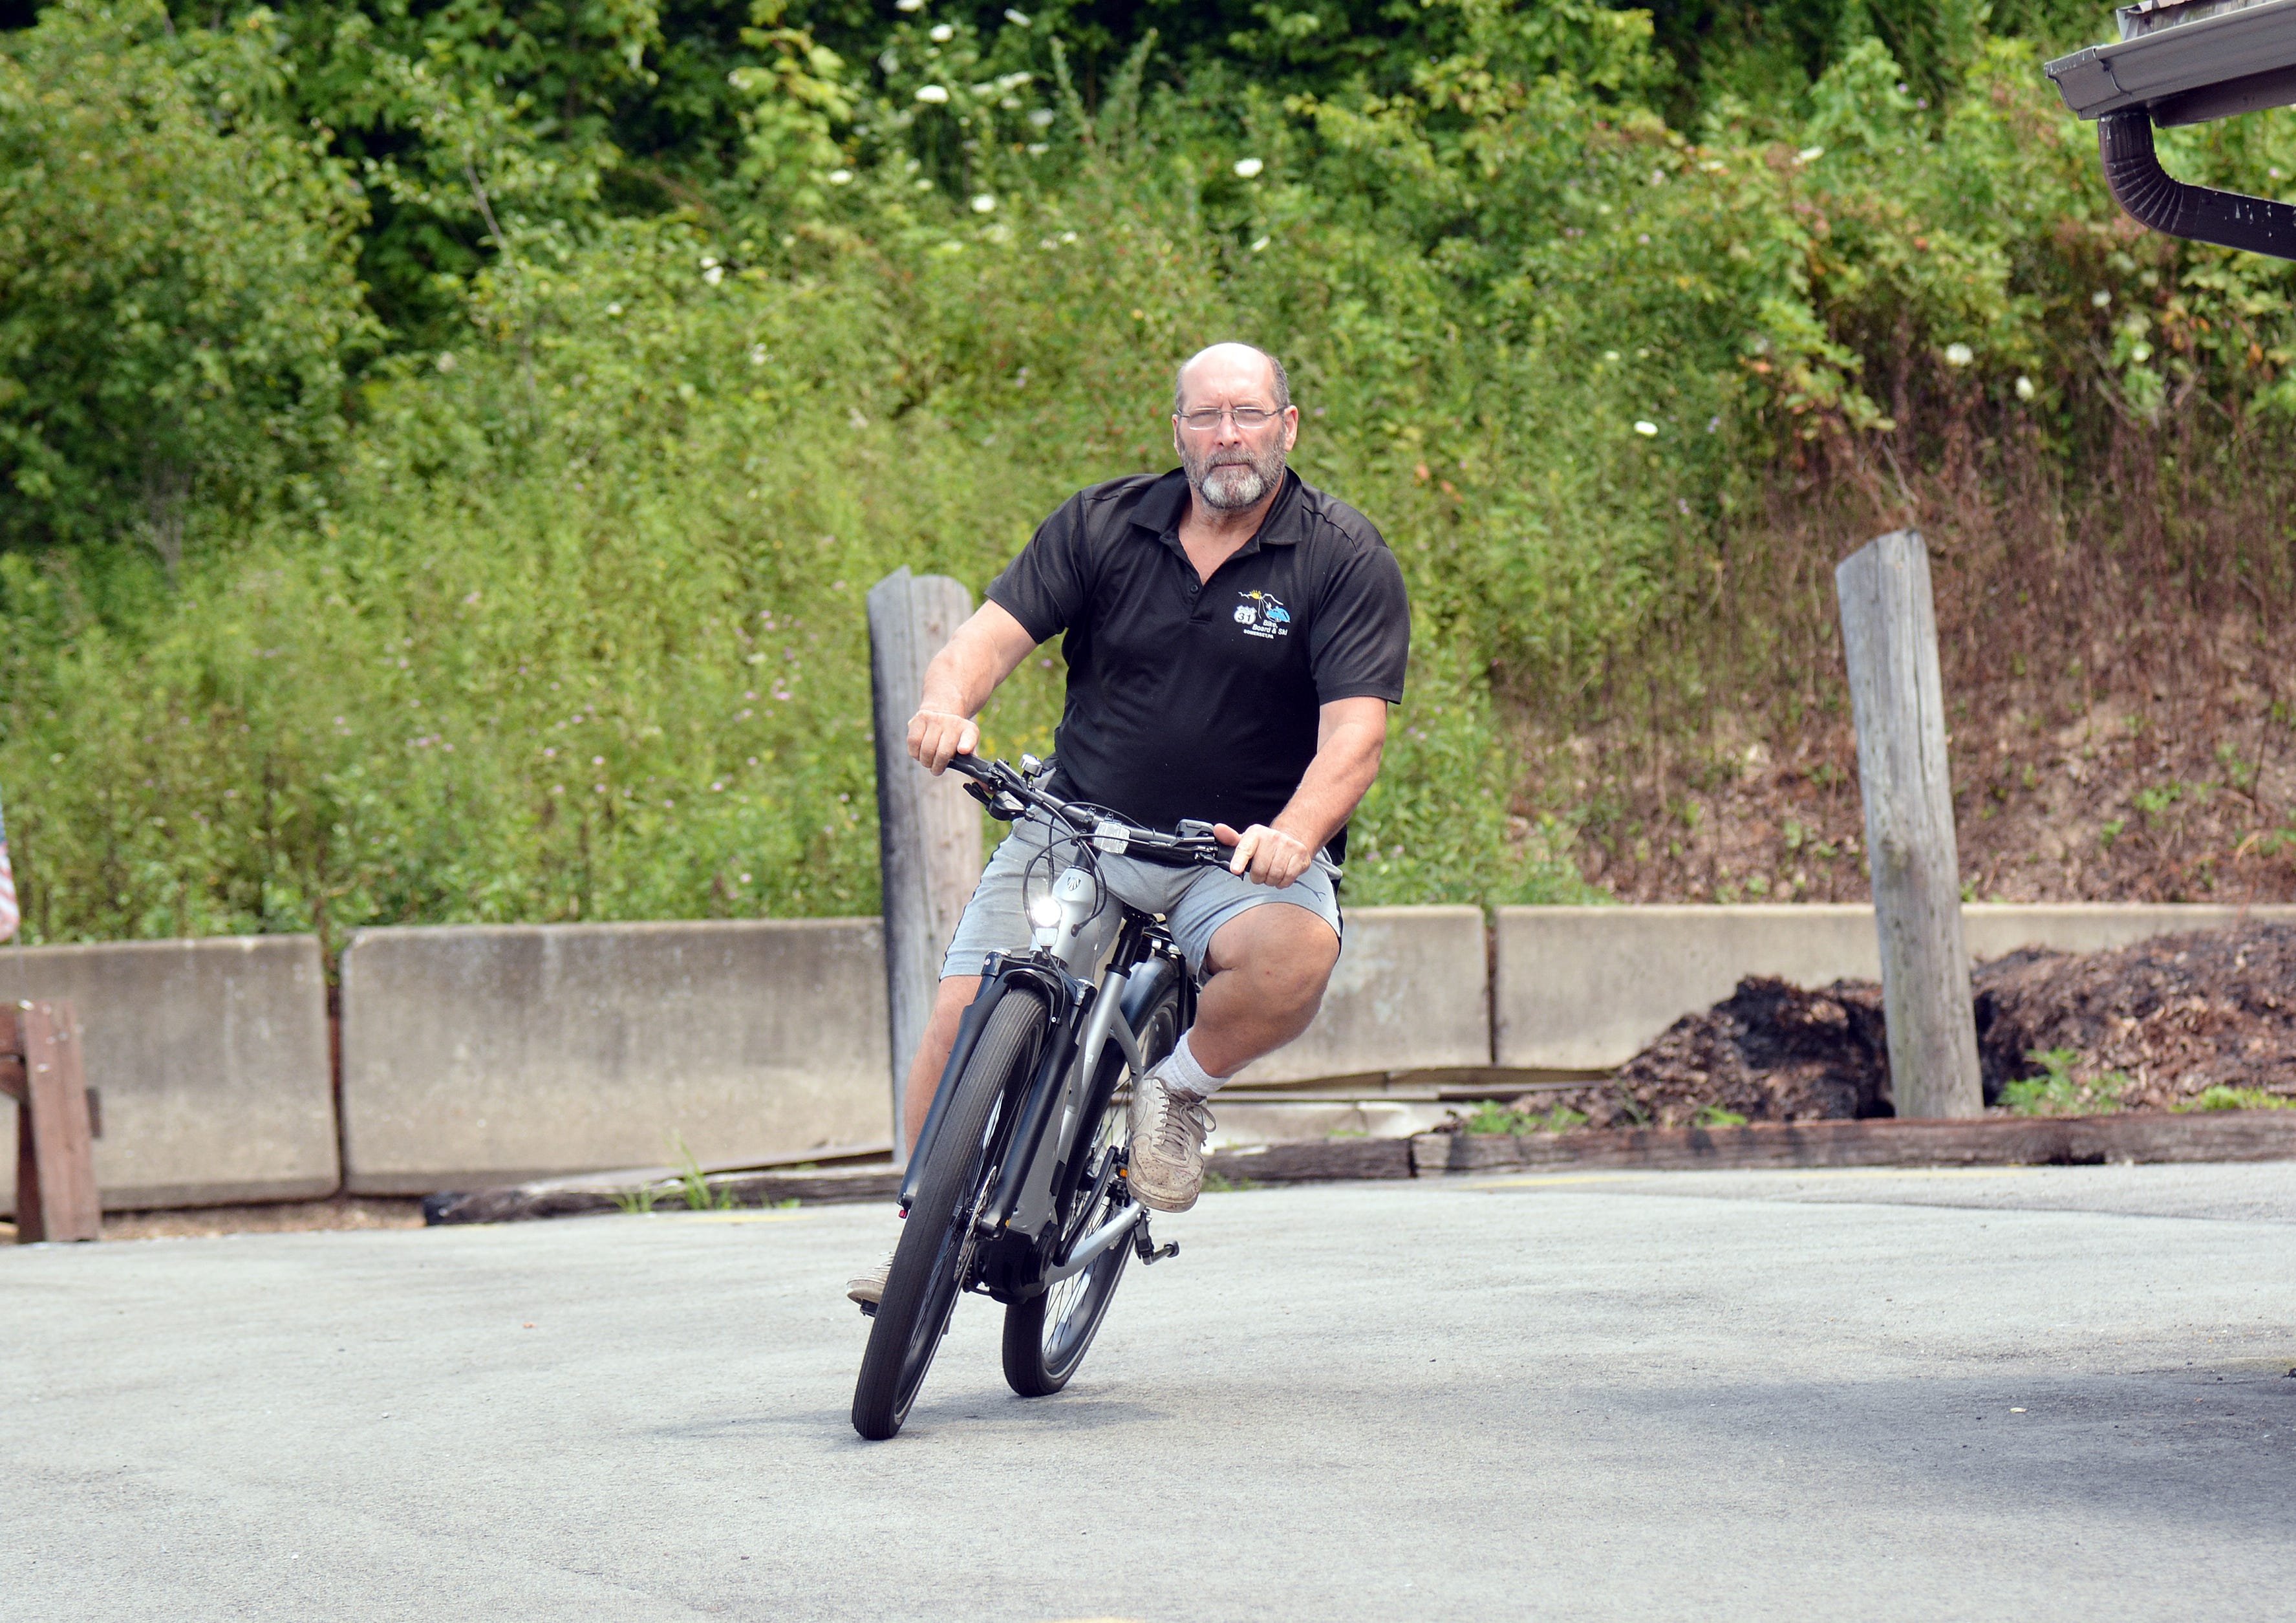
[(1018, 1187)]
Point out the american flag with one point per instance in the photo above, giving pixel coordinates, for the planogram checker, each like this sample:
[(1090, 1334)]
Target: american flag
[(9, 917)]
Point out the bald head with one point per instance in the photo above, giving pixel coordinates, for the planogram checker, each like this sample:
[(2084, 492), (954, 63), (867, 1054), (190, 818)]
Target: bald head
[(1233, 368), (1233, 425)]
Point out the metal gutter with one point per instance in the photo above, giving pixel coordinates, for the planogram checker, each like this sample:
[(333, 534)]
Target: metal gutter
[(2220, 63)]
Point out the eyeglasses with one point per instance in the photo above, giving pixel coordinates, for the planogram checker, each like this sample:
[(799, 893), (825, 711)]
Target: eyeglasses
[(1207, 418)]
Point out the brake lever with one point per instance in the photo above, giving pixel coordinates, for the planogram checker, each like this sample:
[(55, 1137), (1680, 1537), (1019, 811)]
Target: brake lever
[(1002, 806)]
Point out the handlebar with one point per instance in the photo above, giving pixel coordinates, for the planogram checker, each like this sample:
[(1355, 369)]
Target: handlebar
[(1007, 792)]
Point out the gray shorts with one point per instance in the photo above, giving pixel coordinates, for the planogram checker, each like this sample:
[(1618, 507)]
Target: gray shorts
[(1195, 902)]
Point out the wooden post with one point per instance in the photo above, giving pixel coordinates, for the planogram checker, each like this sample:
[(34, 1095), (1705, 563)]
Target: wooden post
[(56, 1196), (928, 828), (1889, 634)]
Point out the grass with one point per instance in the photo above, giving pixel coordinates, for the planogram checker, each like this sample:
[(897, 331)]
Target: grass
[(1490, 1116), (2222, 1097), (1218, 1182), (2057, 1091)]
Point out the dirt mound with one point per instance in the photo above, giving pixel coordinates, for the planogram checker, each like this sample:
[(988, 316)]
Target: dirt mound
[(2177, 1015), (2150, 1027), (1770, 1052)]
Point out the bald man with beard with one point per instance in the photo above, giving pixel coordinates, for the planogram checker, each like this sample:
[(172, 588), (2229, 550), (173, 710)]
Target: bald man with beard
[(1234, 637)]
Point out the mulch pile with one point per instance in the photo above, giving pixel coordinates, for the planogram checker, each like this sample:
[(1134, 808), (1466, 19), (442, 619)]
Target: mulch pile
[(2177, 1015)]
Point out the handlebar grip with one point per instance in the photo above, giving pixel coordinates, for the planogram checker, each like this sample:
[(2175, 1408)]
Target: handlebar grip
[(970, 767)]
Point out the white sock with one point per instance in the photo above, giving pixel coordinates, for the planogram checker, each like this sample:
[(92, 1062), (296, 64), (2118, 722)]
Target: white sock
[(1187, 1073)]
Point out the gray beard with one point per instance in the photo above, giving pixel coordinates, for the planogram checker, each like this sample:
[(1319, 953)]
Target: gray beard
[(1232, 487)]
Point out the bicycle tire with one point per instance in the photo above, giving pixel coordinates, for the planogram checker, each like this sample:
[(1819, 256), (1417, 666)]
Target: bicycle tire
[(928, 1271), (1047, 1336)]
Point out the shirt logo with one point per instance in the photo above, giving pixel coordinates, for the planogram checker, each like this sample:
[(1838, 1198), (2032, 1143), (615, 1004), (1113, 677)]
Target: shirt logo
[(1262, 614)]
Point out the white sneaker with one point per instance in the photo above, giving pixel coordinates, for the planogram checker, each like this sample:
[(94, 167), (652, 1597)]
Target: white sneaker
[(868, 1289), (1169, 1129)]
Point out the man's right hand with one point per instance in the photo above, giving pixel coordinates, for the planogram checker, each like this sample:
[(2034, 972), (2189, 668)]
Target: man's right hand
[(935, 736)]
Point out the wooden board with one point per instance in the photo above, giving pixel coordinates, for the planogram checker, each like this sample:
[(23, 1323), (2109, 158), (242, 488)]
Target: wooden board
[(1313, 1161), (1323, 1160), (56, 1196), (606, 1191), (2214, 1135)]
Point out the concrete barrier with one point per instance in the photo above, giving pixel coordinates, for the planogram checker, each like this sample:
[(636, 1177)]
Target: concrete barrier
[(485, 1055), (210, 1062), (1411, 991), (1586, 988), (481, 1056)]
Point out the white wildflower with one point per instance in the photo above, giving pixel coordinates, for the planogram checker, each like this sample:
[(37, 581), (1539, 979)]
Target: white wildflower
[(933, 94), (1959, 355), (2025, 389), (1648, 430), (982, 203), (1246, 167)]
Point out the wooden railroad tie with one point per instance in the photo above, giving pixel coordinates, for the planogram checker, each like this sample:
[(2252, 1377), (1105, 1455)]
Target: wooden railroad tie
[(40, 1068)]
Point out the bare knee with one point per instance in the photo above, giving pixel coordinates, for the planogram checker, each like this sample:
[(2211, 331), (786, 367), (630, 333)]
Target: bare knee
[(1293, 986), (1284, 954)]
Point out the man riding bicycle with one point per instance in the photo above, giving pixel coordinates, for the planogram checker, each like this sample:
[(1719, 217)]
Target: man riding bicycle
[(1234, 637)]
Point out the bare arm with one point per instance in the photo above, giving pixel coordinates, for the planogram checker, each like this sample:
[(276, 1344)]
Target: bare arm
[(986, 649), (1349, 735)]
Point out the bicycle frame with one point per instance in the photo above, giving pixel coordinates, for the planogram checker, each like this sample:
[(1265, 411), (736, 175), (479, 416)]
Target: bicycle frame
[(1102, 967), (1034, 1189), (1041, 1161)]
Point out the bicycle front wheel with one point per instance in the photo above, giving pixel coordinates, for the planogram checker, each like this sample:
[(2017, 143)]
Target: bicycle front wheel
[(936, 1245), (1047, 1336)]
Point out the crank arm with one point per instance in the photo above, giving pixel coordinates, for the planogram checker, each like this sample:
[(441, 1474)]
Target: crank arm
[(1147, 1250), (1130, 1223)]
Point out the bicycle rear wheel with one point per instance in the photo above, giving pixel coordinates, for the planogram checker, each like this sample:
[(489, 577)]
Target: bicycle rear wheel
[(937, 1243), (1047, 1336)]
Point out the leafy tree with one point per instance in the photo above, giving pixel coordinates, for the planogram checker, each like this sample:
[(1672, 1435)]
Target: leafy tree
[(176, 300)]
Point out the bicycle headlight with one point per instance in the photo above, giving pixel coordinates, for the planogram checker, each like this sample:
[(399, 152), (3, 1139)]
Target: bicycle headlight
[(1045, 913)]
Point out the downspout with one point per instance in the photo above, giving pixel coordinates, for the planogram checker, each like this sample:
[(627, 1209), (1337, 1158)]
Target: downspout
[(2154, 198)]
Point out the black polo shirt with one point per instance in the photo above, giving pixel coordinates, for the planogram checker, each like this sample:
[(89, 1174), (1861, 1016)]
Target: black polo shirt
[(1198, 699)]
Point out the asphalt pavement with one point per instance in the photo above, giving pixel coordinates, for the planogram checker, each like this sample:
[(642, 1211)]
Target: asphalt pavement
[(2007, 1393)]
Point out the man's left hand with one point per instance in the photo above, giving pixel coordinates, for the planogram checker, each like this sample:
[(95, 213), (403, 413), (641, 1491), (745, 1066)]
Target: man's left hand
[(1267, 856)]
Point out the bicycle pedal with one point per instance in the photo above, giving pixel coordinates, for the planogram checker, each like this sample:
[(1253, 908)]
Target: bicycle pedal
[(868, 1310), (1148, 1253)]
